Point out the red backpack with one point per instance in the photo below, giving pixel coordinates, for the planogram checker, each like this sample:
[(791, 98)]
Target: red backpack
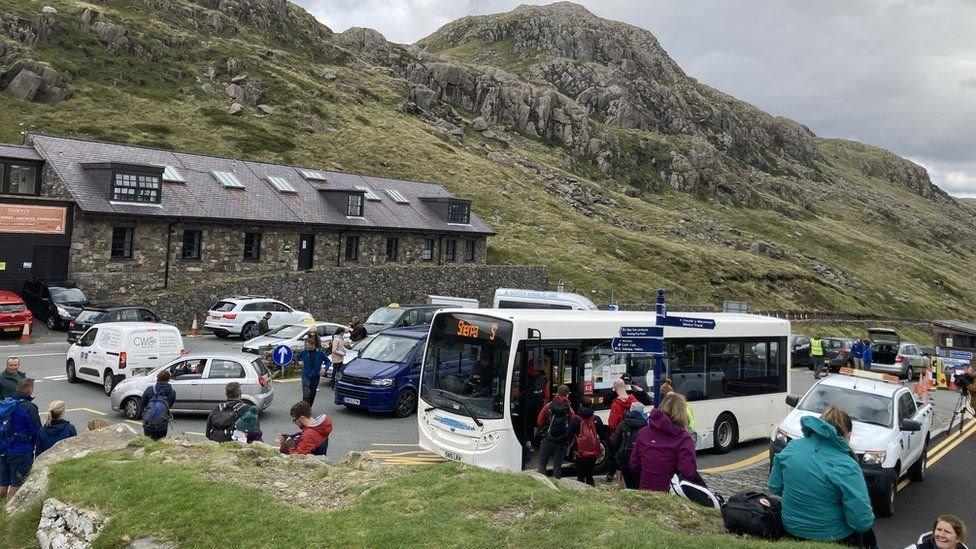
[(587, 441)]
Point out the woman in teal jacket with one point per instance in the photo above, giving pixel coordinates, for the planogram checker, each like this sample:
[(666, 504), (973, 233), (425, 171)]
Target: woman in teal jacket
[(824, 494)]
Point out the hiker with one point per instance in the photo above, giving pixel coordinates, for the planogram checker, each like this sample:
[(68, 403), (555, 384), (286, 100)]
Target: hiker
[(623, 439), (857, 353), (95, 424), (665, 447), (55, 428), (584, 432), (223, 418), (666, 388), (314, 364), (10, 377), (867, 356), (618, 409), (338, 352), (19, 425), (948, 532), (247, 429), (825, 497), (357, 332), (263, 326), (553, 422), (156, 402), (817, 354), (314, 437)]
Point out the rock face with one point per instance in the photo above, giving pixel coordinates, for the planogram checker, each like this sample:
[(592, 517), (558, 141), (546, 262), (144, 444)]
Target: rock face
[(29, 80), (63, 526)]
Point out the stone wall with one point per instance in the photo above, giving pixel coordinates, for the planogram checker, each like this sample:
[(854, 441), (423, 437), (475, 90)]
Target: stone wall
[(338, 293)]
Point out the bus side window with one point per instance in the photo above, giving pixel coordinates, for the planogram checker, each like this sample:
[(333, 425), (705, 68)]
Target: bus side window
[(686, 368)]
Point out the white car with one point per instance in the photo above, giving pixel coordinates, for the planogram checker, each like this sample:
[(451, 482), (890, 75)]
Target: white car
[(292, 335), (110, 352), (891, 430), (238, 315)]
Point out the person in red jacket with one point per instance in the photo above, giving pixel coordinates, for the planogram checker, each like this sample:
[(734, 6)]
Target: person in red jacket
[(665, 447), (618, 409), (562, 395), (314, 438)]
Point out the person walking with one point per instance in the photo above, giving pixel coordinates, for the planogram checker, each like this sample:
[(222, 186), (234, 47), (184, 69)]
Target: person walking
[(665, 447), (817, 354), (222, 420), (867, 357), (948, 532), (618, 409), (584, 432), (314, 364), (55, 428), (263, 326), (156, 403), (338, 353), (10, 377), (825, 497), (857, 353), (18, 442), (553, 422), (623, 439), (314, 436)]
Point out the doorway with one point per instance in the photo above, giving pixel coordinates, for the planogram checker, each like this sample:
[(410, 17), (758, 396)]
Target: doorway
[(306, 251), (534, 386), (50, 263)]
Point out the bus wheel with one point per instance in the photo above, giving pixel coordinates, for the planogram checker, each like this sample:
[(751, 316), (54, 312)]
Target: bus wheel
[(603, 462), (725, 433)]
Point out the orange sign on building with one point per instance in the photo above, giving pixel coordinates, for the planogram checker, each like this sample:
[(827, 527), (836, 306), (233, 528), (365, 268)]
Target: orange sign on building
[(26, 218)]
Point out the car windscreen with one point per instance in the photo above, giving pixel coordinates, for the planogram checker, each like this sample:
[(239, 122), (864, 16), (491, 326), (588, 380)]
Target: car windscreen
[(223, 306), (286, 332), (384, 315), (67, 295), (90, 316), (863, 407), (388, 348)]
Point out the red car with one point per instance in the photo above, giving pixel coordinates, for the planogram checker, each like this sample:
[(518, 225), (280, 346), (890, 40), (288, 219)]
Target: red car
[(13, 313)]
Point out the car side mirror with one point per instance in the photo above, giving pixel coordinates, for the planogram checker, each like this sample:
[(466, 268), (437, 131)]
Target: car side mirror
[(792, 400), (910, 425)]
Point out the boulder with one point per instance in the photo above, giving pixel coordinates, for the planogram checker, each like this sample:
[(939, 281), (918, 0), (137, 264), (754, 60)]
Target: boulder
[(479, 124), (239, 78), (422, 96), (31, 493), (30, 80), (761, 247), (88, 16), (49, 10), (266, 109), (207, 88), (235, 92), (541, 479), (236, 109), (234, 67), (24, 86), (63, 526), (573, 484)]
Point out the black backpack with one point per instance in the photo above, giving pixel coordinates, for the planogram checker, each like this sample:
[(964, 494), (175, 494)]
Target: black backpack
[(754, 514), (628, 436), (557, 422), (223, 420)]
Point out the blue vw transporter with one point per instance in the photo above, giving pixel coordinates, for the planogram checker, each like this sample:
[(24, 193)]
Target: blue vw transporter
[(386, 374)]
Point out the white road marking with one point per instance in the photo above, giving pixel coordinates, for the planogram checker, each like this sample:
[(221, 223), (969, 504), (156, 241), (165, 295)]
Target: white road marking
[(57, 378), (43, 354)]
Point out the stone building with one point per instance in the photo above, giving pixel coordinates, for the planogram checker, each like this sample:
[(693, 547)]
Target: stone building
[(124, 219)]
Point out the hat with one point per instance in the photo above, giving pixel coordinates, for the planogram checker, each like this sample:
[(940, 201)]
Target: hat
[(56, 407), (249, 421), (637, 407)]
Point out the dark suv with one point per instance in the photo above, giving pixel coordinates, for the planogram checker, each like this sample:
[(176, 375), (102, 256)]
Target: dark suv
[(397, 316), (89, 316), (56, 303)]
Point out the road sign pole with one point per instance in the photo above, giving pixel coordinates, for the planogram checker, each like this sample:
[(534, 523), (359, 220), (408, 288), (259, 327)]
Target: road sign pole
[(659, 356)]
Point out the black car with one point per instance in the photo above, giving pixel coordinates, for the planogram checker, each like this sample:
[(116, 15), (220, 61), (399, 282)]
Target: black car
[(400, 316), (89, 316), (801, 351), (56, 303)]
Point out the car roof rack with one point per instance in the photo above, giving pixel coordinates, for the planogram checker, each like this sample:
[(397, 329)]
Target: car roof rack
[(876, 376)]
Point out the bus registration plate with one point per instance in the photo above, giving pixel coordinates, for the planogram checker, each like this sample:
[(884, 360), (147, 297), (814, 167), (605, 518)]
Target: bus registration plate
[(452, 456), (348, 400)]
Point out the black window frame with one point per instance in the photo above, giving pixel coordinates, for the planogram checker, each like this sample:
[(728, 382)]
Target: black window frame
[(470, 250), (450, 250), (459, 213), (427, 252), (6, 167), (197, 250), (352, 247), (352, 206), (252, 252), (392, 248), (121, 197), (125, 247)]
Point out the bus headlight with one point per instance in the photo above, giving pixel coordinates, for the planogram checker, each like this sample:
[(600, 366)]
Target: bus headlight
[(874, 457), (488, 440), (383, 382)]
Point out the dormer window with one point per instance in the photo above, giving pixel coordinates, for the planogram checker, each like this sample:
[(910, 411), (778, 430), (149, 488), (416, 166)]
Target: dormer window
[(355, 205), (459, 212), (136, 187)]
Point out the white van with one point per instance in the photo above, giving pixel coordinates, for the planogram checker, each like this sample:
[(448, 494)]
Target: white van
[(112, 351), (510, 298), (461, 302)]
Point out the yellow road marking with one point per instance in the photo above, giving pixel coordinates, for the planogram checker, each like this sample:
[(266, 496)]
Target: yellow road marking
[(132, 421), (949, 439), (761, 456)]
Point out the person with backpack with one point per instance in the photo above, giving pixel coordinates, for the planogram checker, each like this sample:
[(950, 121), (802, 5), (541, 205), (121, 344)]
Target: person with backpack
[(223, 418), (247, 429), (825, 497), (623, 440), (314, 363), (314, 436), (19, 425), (55, 429), (156, 402), (337, 352), (948, 532), (584, 431), (553, 422), (618, 409), (665, 447), (10, 377)]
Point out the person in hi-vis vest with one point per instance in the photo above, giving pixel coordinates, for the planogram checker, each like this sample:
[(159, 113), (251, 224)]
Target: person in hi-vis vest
[(817, 354)]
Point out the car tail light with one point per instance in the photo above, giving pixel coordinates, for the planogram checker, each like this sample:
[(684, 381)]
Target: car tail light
[(899, 358), (122, 360), (262, 381), (230, 316)]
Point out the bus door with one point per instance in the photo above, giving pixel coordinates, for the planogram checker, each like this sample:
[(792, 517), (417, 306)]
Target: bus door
[(543, 368)]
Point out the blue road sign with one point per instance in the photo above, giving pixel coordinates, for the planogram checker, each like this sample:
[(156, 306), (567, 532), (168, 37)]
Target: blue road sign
[(961, 355), (641, 331), (281, 355), (636, 345), (688, 322)]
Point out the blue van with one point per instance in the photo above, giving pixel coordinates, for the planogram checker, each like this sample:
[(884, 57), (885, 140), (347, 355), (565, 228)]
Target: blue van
[(386, 374)]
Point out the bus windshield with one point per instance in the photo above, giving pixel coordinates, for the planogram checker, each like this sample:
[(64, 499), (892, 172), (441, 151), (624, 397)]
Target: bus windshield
[(466, 365)]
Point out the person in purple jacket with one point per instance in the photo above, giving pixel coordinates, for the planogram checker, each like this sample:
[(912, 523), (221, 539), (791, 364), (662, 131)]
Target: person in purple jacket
[(665, 447)]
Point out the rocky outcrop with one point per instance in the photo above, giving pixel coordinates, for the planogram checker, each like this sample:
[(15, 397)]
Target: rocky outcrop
[(886, 165), (30, 80), (30, 32), (64, 526)]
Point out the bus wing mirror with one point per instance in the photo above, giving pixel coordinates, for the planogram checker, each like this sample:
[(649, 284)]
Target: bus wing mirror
[(792, 400)]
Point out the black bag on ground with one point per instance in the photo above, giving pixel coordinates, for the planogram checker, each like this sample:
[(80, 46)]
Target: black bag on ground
[(754, 514)]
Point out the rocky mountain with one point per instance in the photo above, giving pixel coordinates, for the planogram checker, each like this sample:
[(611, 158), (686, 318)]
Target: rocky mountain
[(579, 139)]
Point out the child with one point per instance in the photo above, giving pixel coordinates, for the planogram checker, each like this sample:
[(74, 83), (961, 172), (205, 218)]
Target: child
[(247, 428)]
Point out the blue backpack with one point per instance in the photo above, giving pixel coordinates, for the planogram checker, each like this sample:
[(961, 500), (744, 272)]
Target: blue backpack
[(7, 408), (156, 415)]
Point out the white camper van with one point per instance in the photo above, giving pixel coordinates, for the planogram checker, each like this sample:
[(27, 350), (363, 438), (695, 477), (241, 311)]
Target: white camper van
[(110, 352), (510, 298)]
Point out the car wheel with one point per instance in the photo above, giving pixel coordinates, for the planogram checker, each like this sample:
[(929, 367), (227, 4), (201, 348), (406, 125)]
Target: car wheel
[(725, 433), (910, 373), (221, 334), (246, 331), (130, 408), (920, 467), (884, 503), (69, 370), (406, 403), (52, 323), (108, 382)]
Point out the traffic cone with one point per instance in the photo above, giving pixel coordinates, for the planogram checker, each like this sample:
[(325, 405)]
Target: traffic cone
[(25, 335), (194, 329)]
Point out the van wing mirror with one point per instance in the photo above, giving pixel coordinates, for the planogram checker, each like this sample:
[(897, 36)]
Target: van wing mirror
[(792, 400), (910, 425)]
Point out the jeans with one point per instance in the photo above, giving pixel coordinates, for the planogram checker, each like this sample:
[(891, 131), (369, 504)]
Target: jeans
[(309, 388), (818, 366), (336, 369), (549, 449), (584, 470)]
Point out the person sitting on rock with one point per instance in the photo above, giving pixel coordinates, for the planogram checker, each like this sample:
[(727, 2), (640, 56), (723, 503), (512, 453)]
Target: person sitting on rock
[(314, 438), (55, 429)]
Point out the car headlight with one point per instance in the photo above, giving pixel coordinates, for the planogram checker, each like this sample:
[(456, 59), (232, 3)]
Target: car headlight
[(781, 436), (62, 311), (384, 382), (872, 457), (490, 439)]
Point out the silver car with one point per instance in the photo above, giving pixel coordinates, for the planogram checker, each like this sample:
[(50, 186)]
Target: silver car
[(292, 335), (199, 381), (891, 355)]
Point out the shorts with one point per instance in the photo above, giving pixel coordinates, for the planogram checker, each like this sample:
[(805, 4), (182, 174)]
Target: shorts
[(14, 469)]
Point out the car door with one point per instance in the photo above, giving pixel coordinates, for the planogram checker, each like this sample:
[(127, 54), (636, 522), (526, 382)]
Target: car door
[(88, 360), (219, 373), (912, 442), (187, 379)]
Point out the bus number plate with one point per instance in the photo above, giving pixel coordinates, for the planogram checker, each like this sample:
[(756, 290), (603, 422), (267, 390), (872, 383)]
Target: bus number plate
[(452, 456)]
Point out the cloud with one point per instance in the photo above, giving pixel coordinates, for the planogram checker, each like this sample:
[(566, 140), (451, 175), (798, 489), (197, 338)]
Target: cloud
[(894, 73)]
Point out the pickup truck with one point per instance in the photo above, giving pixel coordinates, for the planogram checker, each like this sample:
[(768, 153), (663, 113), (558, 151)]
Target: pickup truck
[(891, 430)]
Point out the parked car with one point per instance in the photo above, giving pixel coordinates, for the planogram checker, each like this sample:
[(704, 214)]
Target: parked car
[(292, 335), (837, 353), (894, 356), (891, 430), (14, 314), (385, 375), (239, 315), (199, 382), (97, 314), (110, 352), (800, 349), (395, 315), (57, 304)]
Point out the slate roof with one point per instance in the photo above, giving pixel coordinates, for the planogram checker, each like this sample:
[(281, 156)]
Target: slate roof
[(19, 152), (957, 325), (202, 197)]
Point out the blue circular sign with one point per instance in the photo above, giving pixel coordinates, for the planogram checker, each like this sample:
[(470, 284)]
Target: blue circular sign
[(281, 355)]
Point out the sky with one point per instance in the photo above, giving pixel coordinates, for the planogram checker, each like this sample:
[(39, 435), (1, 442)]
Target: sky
[(899, 74)]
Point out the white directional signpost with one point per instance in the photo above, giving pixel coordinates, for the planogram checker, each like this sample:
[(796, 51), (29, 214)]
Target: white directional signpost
[(282, 355)]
